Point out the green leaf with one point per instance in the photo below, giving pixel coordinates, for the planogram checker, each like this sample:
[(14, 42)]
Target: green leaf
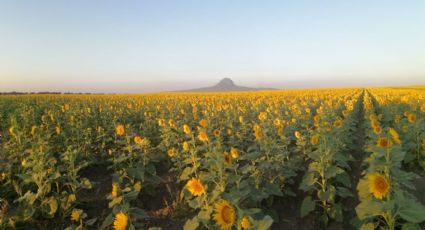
[(410, 226), (368, 208), (363, 188), (185, 174), (91, 221), (191, 224), (307, 206), (205, 214), (412, 211), (53, 204), (265, 223), (115, 201), (108, 221)]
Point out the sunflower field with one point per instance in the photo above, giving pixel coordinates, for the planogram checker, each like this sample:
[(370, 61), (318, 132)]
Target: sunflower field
[(291, 159)]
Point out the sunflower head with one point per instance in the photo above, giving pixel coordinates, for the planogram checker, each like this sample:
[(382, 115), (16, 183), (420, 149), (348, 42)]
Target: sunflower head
[(186, 129), (379, 185), (203, 123), (137, 139), (185, 146), (171, 123), (171, 152), (120, 130), (76, 214), (202, 136), (246, 223), (411, 118), (384, 142), (195, 187), (121, 221), (216, 132), (298, 134), (276, 122), (114, 192), (234, 152), (338, 123), (394, 136), (161, 122), (224, 214), (377, 130), (262, 116), (227, 158), (314, 140)]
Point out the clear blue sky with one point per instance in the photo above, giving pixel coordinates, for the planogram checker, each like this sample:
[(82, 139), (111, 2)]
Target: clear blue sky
[(132, 46)]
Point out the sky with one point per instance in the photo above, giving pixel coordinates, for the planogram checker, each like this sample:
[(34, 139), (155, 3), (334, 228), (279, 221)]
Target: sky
[(147, 46)]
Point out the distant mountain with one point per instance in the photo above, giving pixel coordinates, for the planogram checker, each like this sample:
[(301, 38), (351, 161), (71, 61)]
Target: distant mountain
[(225, 85)]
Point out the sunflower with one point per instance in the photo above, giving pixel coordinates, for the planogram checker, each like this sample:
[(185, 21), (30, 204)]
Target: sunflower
[(33, 129), (258, 134), (161, 122), (186, 129), (338, 123), (171, 152), (58, 130), (24, 162), (202, 136), (411, 118), (137, 139), (171, 123), (234, 152), (383, 142), (298, 135), (114, 192), (241, 120), (314, 140), (377, 130), (394, 136), (224, 214), (76, 214), (195, 187), (216, 133), (276, 122), (185, 146), (120, 130), (121, 221), (379, 185), (203, 123), (262, 116), (246, 223)]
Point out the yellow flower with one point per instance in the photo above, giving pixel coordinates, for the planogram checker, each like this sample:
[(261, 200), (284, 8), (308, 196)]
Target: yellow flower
[(171, 152), (137, 139), (216, 133), (114, 193), (138, 186), (338, 123), (161, 122), (234, 152), (395, 136), (379, 185), (377, 130), (246, 223), (185, 146), (383, 142), (186, 129), (262, 116), (120, 130), (195, 187), (202, 136), (76, 214), (171, 123), (314, 140), (276, 122), (224, 214), (58, 130), (298, 135), (411, 118), (241, 120), (11, 131), (24, 162), (33, 128), (203, 123), (120, 222)]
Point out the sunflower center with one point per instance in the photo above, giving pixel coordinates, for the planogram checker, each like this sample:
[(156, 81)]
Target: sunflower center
[(381, 185), (227, 214)]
